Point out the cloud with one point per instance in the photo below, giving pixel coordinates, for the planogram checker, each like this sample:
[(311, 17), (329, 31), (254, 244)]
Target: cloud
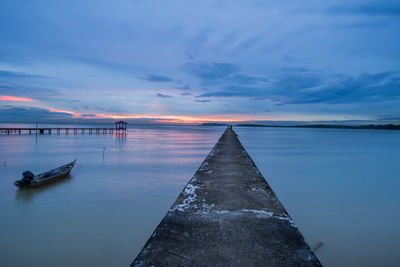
[(163, 95), (230, 91), (347, 89), (185, 87), (202, 101), (156, 78), (365, 10), (15, 98), (225, 74), (389, 118), (294, 86), (223, 56), (16, 74), (89, 115), (247, 79), (25, 90), (9, 113), (26, 85), (106, 64), (210, 71)]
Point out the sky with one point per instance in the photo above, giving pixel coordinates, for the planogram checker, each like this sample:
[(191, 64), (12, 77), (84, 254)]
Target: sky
[(195, 61)]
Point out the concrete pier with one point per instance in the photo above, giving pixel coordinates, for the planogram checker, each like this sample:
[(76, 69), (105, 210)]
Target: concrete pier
[(227, 215)]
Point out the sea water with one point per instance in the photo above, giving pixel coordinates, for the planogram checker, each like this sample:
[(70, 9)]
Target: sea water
[(340, 186)]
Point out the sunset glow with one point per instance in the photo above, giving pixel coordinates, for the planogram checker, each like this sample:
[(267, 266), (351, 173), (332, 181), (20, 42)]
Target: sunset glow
[(73, 114), (170, 118), (136, 93), (15, 98), (156, 117), (218, 69)]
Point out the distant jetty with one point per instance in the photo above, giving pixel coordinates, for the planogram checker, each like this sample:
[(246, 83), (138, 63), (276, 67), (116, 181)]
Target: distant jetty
[(120, 127), (227, 215)]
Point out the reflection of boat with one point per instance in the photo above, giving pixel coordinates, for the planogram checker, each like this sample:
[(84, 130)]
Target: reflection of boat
[(31, 180)]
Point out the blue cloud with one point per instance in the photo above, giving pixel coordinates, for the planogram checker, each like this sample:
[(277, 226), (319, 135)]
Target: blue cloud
[(210, 71), (203, 101), (364, 88), (26, 85), (88, 115), (185, 87), (156, 78), (230, 91), (366, 10), (307, 87), (221, 56), (185, 94), (215, 74), (28, 90), (9, 113), (106, 64), (163, 95), (247, 79), (389, 118), (5, 74)]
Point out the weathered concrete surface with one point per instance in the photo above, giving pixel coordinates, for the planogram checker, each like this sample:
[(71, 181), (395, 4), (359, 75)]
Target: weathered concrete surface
[(227, 215)]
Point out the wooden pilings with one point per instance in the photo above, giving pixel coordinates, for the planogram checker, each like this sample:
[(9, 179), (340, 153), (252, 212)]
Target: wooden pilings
[(20, 131)]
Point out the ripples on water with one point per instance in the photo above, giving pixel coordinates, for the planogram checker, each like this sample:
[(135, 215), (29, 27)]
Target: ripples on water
[(340, 186), (104, 212)]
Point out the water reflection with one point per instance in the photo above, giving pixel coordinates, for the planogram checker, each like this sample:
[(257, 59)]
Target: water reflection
[(340, 187), (330, 181), (109, 205), (27, 194), (120, 135)]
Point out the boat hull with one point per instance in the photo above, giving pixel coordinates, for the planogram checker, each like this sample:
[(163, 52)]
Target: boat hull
[(49, 181), (41, 180)]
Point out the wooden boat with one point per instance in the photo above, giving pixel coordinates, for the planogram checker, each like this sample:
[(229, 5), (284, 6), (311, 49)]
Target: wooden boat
[(30, 180)]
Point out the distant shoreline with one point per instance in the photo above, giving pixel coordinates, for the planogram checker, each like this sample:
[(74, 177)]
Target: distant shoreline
[(321, 126)]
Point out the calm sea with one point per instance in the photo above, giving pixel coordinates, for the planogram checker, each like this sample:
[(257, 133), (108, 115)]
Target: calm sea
[(340, 186)]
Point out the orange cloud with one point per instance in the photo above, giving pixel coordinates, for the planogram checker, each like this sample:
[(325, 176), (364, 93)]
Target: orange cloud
[(74, 114), (163, 118), (169, 118), (157, 118), (15, 98)]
